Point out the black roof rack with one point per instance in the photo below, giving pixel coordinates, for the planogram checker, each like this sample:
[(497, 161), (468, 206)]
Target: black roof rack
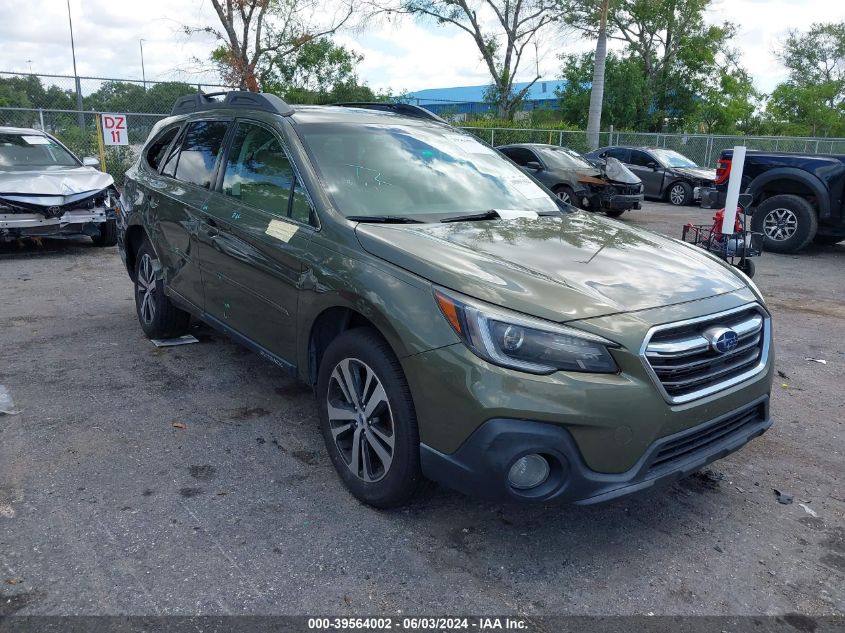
[(234, 99), (399, 108)]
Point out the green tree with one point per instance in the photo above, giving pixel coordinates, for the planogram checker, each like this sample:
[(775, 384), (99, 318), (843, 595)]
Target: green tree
[(727, 105), (624, 90), (676, 51), (812, 100)]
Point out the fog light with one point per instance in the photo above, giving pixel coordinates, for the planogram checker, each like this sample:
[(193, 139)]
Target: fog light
[(528, 472)]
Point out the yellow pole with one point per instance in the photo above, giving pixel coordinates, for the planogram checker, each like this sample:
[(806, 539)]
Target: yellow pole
[(100, 145)]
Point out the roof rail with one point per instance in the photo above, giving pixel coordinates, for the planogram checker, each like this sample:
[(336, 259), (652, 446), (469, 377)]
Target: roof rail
[(234, 99), (399, 108)]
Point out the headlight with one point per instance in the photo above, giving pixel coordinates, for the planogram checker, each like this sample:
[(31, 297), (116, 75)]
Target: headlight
[(520, 342)]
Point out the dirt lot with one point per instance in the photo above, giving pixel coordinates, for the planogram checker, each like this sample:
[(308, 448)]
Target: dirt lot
[(107, 508)]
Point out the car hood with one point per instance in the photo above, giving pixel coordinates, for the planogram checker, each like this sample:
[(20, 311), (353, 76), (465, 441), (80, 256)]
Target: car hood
[(50, 187), (698, 173), (559, 268)]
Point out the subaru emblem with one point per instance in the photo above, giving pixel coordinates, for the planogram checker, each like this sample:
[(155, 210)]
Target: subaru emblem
[(721, 339)]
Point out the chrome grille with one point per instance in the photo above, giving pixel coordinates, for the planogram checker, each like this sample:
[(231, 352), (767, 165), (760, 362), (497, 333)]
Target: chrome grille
[(682, 362)]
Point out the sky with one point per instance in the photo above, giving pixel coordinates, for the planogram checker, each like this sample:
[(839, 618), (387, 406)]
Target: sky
[(401, 55)]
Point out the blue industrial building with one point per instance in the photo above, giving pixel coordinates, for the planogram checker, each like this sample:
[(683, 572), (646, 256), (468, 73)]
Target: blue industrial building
[(470, 99)]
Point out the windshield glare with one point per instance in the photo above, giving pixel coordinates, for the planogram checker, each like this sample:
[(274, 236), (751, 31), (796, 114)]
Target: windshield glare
[(672, 158), (22, 151), (424, 172), (564, 158)]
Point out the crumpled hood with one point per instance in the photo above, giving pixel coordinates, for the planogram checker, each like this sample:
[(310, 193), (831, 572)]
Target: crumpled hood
[(558, 268), (698, 173), (51, 187)]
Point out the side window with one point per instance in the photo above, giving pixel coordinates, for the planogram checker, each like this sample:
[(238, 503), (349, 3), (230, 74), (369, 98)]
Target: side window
[(619, 153), (155, 152), (259, 173), (521, 156), (640, 158), (198, 155), (300, 207)]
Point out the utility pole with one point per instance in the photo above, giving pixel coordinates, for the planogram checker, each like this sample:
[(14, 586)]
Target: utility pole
[(143, 72), (81, 114)]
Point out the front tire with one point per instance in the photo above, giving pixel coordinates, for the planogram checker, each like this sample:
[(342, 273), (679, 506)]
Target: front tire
[(107, 235), (158, 317), (788, 223), (615, 213), (680, 194), (567, 195), (368, 420)]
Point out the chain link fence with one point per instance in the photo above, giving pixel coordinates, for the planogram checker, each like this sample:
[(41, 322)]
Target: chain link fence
[(704, 149), (67, 107)]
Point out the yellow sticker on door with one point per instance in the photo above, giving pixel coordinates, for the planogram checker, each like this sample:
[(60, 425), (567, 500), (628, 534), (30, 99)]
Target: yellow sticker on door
[(281, 230)]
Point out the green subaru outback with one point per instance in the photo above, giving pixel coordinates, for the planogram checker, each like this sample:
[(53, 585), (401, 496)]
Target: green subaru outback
[(457, 322)]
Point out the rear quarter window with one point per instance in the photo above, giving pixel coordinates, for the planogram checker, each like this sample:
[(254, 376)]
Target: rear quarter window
[(157, 149)]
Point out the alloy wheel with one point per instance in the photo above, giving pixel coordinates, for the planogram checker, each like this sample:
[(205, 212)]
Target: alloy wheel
[(780, 224), (564, 197), (146, 288), (360, 420), (677, 195)]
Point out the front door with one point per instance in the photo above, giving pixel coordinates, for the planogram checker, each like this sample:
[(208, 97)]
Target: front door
[(649, 170), (253, 239)]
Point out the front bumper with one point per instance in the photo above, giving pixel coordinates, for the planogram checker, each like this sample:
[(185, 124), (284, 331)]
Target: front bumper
[(74, 222), (596, 201), (480, 466)]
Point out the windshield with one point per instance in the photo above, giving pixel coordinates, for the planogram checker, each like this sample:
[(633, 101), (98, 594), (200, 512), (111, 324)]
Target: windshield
[(22, 151), (671, 158), (422, 172), (564, 158)]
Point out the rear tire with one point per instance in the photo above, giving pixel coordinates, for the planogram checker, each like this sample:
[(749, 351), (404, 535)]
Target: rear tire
[(788, 223), (158, 317), (679, 194), (615, 213), (368, 420), (107, 235)]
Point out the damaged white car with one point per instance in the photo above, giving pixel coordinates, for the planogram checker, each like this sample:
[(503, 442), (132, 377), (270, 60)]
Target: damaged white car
[(46, 191)]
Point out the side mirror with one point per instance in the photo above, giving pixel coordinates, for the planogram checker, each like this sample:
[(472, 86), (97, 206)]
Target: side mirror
[(533, 165), (653, 166), (91, 161)]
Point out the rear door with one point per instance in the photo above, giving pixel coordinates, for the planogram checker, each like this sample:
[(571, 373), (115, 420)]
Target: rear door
[(176, 200), (652, 177), (256, 229)]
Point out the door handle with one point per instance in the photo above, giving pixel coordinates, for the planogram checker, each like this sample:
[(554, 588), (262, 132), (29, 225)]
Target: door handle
[(211, 228)]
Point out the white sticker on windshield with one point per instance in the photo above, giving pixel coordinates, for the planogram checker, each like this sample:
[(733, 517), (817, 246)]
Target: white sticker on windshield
[(36, 140), (470, 144), (526, 187), (511, 214)]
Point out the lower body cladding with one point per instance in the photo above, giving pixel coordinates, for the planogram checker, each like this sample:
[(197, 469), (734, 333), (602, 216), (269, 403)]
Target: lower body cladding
[(578, 437), (76, 222)]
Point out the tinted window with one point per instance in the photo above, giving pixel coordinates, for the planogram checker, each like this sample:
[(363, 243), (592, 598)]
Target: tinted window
[(619, 153), (200, 148), (421, 170), (32, 150), (520, 155), (640, 158), (258, 171), (156, 151)]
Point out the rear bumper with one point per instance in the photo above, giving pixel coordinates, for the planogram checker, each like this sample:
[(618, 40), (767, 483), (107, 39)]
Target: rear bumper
[(480, 466)]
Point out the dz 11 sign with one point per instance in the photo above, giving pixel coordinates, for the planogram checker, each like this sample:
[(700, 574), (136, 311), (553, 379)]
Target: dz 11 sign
[(114, 129)]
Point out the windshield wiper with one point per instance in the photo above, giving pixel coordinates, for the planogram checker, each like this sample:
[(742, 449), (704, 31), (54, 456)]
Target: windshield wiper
[(492, 214), (384, 219)]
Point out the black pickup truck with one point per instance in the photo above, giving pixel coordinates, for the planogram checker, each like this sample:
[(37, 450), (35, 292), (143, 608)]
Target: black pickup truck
[(798, 198)]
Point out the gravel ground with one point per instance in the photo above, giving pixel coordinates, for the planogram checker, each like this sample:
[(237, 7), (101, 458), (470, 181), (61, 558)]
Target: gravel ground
[(108, 507)]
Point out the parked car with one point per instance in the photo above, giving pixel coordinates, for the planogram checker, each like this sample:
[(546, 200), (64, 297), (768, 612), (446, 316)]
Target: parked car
[(798, 198), (457, 322), (610, 188), (666, 174), (46, 191)]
